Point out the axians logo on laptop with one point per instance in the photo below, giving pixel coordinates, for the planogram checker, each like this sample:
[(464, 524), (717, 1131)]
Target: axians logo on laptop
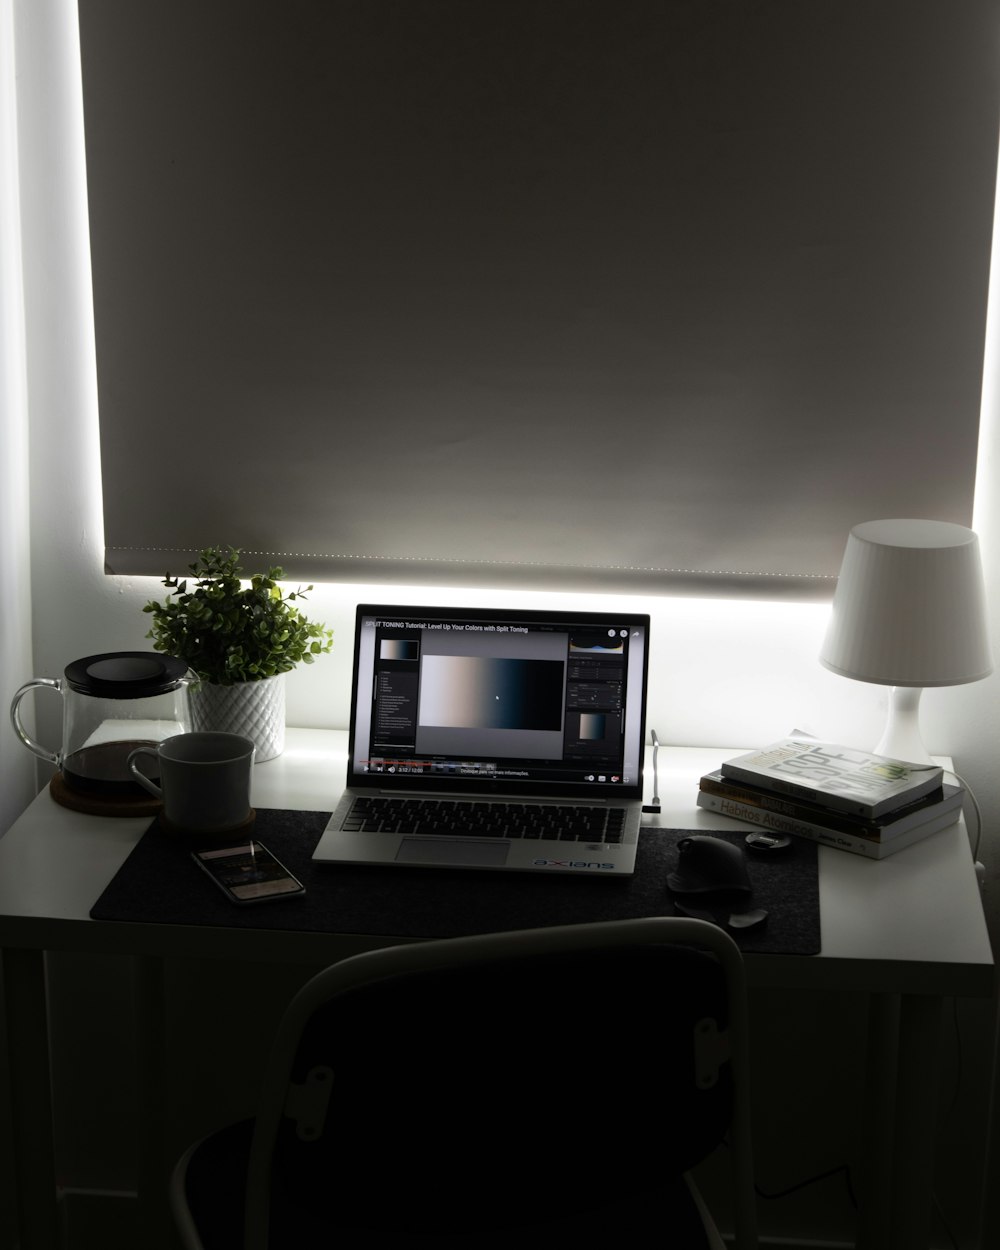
[(572, 863)]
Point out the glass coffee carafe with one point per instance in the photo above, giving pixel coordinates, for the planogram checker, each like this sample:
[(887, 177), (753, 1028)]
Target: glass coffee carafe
[(111, 704)]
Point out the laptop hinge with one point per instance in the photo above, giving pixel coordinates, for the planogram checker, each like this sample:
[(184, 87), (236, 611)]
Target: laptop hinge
[(479, 797)]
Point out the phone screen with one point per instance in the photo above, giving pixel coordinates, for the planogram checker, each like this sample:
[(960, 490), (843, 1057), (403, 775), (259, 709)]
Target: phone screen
[(248, 873)]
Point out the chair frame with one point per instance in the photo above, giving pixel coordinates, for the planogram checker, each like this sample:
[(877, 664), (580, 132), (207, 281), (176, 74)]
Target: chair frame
[(370, 966)]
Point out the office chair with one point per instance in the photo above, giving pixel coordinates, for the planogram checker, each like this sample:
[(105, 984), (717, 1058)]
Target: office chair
[(547, 1086)]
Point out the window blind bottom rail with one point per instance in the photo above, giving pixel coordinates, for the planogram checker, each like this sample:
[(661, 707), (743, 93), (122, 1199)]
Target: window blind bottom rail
[(381, 570)]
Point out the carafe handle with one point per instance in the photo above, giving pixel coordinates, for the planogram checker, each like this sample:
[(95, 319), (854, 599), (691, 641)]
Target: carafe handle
[(51, 757), (141, 777)]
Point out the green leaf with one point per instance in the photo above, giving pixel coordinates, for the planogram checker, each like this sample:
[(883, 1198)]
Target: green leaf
[(229, 626)]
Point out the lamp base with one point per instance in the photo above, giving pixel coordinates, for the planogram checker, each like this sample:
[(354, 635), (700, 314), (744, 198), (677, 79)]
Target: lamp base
[(902, 739)]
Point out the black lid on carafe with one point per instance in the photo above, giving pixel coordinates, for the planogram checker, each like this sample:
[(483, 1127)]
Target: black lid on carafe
[(126, 674)]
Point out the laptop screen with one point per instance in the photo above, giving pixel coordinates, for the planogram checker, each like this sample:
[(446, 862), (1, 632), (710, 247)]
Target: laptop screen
[(499, 701)]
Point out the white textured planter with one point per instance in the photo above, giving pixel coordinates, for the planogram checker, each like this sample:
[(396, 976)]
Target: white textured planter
[(255, 709)]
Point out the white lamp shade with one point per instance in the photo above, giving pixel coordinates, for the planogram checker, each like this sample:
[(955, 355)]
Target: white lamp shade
[(910, 606)]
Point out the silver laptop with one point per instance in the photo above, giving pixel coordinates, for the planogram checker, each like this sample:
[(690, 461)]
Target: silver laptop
[(492, 739)]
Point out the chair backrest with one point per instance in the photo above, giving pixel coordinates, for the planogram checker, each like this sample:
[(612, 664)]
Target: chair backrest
[(505, 1080)]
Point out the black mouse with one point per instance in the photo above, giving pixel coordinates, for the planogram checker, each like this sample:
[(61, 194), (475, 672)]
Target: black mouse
[(708, 865)]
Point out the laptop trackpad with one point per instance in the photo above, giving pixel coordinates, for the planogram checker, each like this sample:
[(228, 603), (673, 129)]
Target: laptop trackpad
[(452, 851)]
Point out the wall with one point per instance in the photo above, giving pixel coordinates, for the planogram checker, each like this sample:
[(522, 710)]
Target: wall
[(15, 606), (721, 672)]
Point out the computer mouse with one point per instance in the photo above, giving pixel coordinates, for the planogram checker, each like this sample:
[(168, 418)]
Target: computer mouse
[(708, 865)]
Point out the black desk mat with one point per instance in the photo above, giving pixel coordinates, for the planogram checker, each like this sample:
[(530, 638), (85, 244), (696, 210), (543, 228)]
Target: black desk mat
[(159, 884)]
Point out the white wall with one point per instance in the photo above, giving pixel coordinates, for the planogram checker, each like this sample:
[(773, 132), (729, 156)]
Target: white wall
[(15, 603)]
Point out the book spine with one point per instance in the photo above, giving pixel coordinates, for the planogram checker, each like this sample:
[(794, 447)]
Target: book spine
[(788, 805), (778, 823), (931, 807), (872, 848)]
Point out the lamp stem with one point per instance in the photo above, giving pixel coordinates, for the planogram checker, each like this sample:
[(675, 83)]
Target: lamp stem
[(902, 739)]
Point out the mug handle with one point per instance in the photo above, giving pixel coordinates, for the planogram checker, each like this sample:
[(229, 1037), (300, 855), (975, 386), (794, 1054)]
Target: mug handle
[(50, 757), (141, 777)]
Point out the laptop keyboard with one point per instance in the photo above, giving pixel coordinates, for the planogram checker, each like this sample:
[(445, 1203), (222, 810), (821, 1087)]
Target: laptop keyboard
[(435, 818)]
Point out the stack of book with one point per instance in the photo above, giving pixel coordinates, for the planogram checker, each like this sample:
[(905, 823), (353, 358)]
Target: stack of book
[(842, 797)]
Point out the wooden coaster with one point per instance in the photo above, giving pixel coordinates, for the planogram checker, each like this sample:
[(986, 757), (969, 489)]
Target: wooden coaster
[(224, 835), (101, 804)]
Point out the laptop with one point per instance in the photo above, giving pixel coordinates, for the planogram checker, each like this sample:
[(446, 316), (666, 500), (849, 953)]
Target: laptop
[(501, 740)]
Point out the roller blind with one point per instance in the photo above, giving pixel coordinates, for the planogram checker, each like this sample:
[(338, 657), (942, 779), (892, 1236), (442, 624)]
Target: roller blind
[(552, 292)]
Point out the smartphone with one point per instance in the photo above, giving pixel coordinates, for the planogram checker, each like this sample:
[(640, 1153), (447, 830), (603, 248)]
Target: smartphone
[(248, 873)]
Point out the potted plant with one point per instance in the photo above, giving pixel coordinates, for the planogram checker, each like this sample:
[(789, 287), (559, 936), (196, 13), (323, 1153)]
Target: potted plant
[(239, 633)]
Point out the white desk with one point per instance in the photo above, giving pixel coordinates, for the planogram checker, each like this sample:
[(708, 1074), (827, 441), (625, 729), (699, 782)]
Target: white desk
[(909, 930)]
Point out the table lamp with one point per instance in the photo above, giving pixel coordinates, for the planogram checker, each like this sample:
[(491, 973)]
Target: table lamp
[(909, 612)]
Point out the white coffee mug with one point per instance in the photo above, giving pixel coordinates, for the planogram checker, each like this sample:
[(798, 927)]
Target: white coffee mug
[(205, 780)]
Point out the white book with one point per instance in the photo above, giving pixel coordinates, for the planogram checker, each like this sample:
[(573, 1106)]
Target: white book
[(841, 778)]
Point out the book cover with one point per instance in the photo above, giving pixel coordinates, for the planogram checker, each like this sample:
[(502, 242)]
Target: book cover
[(872, 848), (947, 798), (842, 778)]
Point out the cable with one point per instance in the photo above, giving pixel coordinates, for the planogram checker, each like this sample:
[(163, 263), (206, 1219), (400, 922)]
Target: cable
[(939, 1210), (947, 1115), (956, 1093), (655, 805), (971, 795), (842, 1168)]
